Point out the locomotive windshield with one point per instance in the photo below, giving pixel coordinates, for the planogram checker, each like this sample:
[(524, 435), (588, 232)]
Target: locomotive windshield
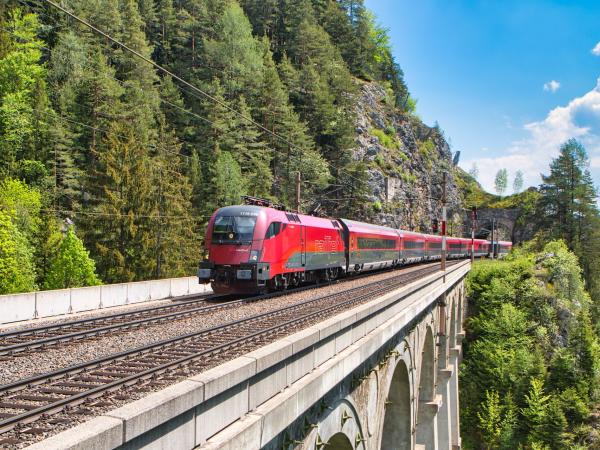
[(233, 229)]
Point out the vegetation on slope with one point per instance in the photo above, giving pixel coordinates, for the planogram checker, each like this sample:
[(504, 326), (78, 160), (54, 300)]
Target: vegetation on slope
[(137, 161), (531, 370)]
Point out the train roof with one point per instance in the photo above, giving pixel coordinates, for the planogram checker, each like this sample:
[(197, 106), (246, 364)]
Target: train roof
[(362, 227), (412, 234), (277, 215)]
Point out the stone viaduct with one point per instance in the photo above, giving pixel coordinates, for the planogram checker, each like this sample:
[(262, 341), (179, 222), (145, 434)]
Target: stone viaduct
[(381, 376)]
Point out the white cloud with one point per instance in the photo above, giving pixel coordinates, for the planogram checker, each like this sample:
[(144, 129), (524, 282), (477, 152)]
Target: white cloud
[(596, 49), (579, 119), (552, 86)]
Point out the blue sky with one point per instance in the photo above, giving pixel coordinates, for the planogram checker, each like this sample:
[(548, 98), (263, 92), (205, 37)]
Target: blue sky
[(508, 81)]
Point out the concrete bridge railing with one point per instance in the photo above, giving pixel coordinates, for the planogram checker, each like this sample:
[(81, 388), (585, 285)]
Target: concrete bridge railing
[(57, 302), (382, 375)]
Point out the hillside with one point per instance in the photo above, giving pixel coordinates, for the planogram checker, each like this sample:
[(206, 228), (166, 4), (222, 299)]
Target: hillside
[(405, 160), (514, 213), (242, 95), (530, 374)]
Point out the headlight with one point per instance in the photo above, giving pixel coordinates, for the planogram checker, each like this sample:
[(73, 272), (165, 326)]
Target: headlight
[(254, 255)]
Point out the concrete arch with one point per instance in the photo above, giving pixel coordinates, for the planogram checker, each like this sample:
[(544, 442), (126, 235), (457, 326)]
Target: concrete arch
[(342, 419), (397, 421), (339, 441), (426, 430)]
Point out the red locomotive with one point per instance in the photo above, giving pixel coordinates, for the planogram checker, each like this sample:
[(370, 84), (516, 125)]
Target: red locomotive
[(252, 248)]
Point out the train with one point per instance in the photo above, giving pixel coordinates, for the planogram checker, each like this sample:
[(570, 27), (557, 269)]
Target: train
[(251, 249)]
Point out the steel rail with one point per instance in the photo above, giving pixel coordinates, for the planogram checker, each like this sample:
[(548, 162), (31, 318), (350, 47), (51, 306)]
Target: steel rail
[(59, 333), (195, 298), (372, 290)]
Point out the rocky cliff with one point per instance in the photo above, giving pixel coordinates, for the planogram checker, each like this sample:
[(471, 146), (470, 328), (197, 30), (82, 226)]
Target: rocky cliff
[(406, 160)]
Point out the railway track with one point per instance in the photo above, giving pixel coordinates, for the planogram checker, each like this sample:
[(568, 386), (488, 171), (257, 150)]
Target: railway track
[(17, 341), (88, 385), (38, 338)]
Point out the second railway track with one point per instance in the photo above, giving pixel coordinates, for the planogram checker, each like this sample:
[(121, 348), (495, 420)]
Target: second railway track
[(168, 361), (18, 342)]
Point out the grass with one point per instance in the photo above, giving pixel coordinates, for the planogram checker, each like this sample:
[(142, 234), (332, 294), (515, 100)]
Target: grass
[(386, 138)]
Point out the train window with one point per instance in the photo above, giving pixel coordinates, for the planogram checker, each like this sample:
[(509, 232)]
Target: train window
[(232, 229), (435, 245), (376, 243), (413, 244), (273, 230)]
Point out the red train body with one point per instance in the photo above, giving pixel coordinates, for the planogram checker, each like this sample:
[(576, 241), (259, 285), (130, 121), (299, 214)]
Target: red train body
[(250, 249)]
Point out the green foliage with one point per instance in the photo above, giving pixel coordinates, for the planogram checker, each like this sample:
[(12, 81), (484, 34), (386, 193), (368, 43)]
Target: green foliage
[(72, 265), (501, 181), (531, 367), (17, 271), (407, 177), (565, 274), (121, 233), (426, 150), (22, 204), (490, 420), (535, 411), (388, 140), (31, 172), (518, 182), (21, 91), (138, 163)]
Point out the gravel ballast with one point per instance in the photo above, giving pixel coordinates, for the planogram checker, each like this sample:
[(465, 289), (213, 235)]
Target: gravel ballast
[(74, 353), (67, 354)]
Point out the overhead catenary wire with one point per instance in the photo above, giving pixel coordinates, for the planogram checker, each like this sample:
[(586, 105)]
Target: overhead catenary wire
[(123, 84), (137, 216), (181, 80)]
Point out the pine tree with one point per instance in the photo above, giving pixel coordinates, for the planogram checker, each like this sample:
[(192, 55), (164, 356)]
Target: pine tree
[(175, 241), (235, 57), (535, 411), (567, 209), (554, 425), (253, 154), (71, 266), (490, 420), (196, 178), (23, 100), (176, 114), (119, 228), (228, 182), (140, 91), (47, 244), (561, 189), (583, 344)]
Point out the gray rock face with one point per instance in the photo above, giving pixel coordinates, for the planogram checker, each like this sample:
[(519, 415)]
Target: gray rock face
[(406, 160)]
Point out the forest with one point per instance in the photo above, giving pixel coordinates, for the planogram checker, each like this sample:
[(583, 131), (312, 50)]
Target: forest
[(110, 166), (113, 157), (531, 371)]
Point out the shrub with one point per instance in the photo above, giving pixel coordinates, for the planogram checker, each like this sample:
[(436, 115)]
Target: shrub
[(387, 140), (72, 265)]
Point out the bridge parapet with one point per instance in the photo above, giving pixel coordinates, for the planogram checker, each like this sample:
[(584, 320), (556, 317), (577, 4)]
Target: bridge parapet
[(378, 375)]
